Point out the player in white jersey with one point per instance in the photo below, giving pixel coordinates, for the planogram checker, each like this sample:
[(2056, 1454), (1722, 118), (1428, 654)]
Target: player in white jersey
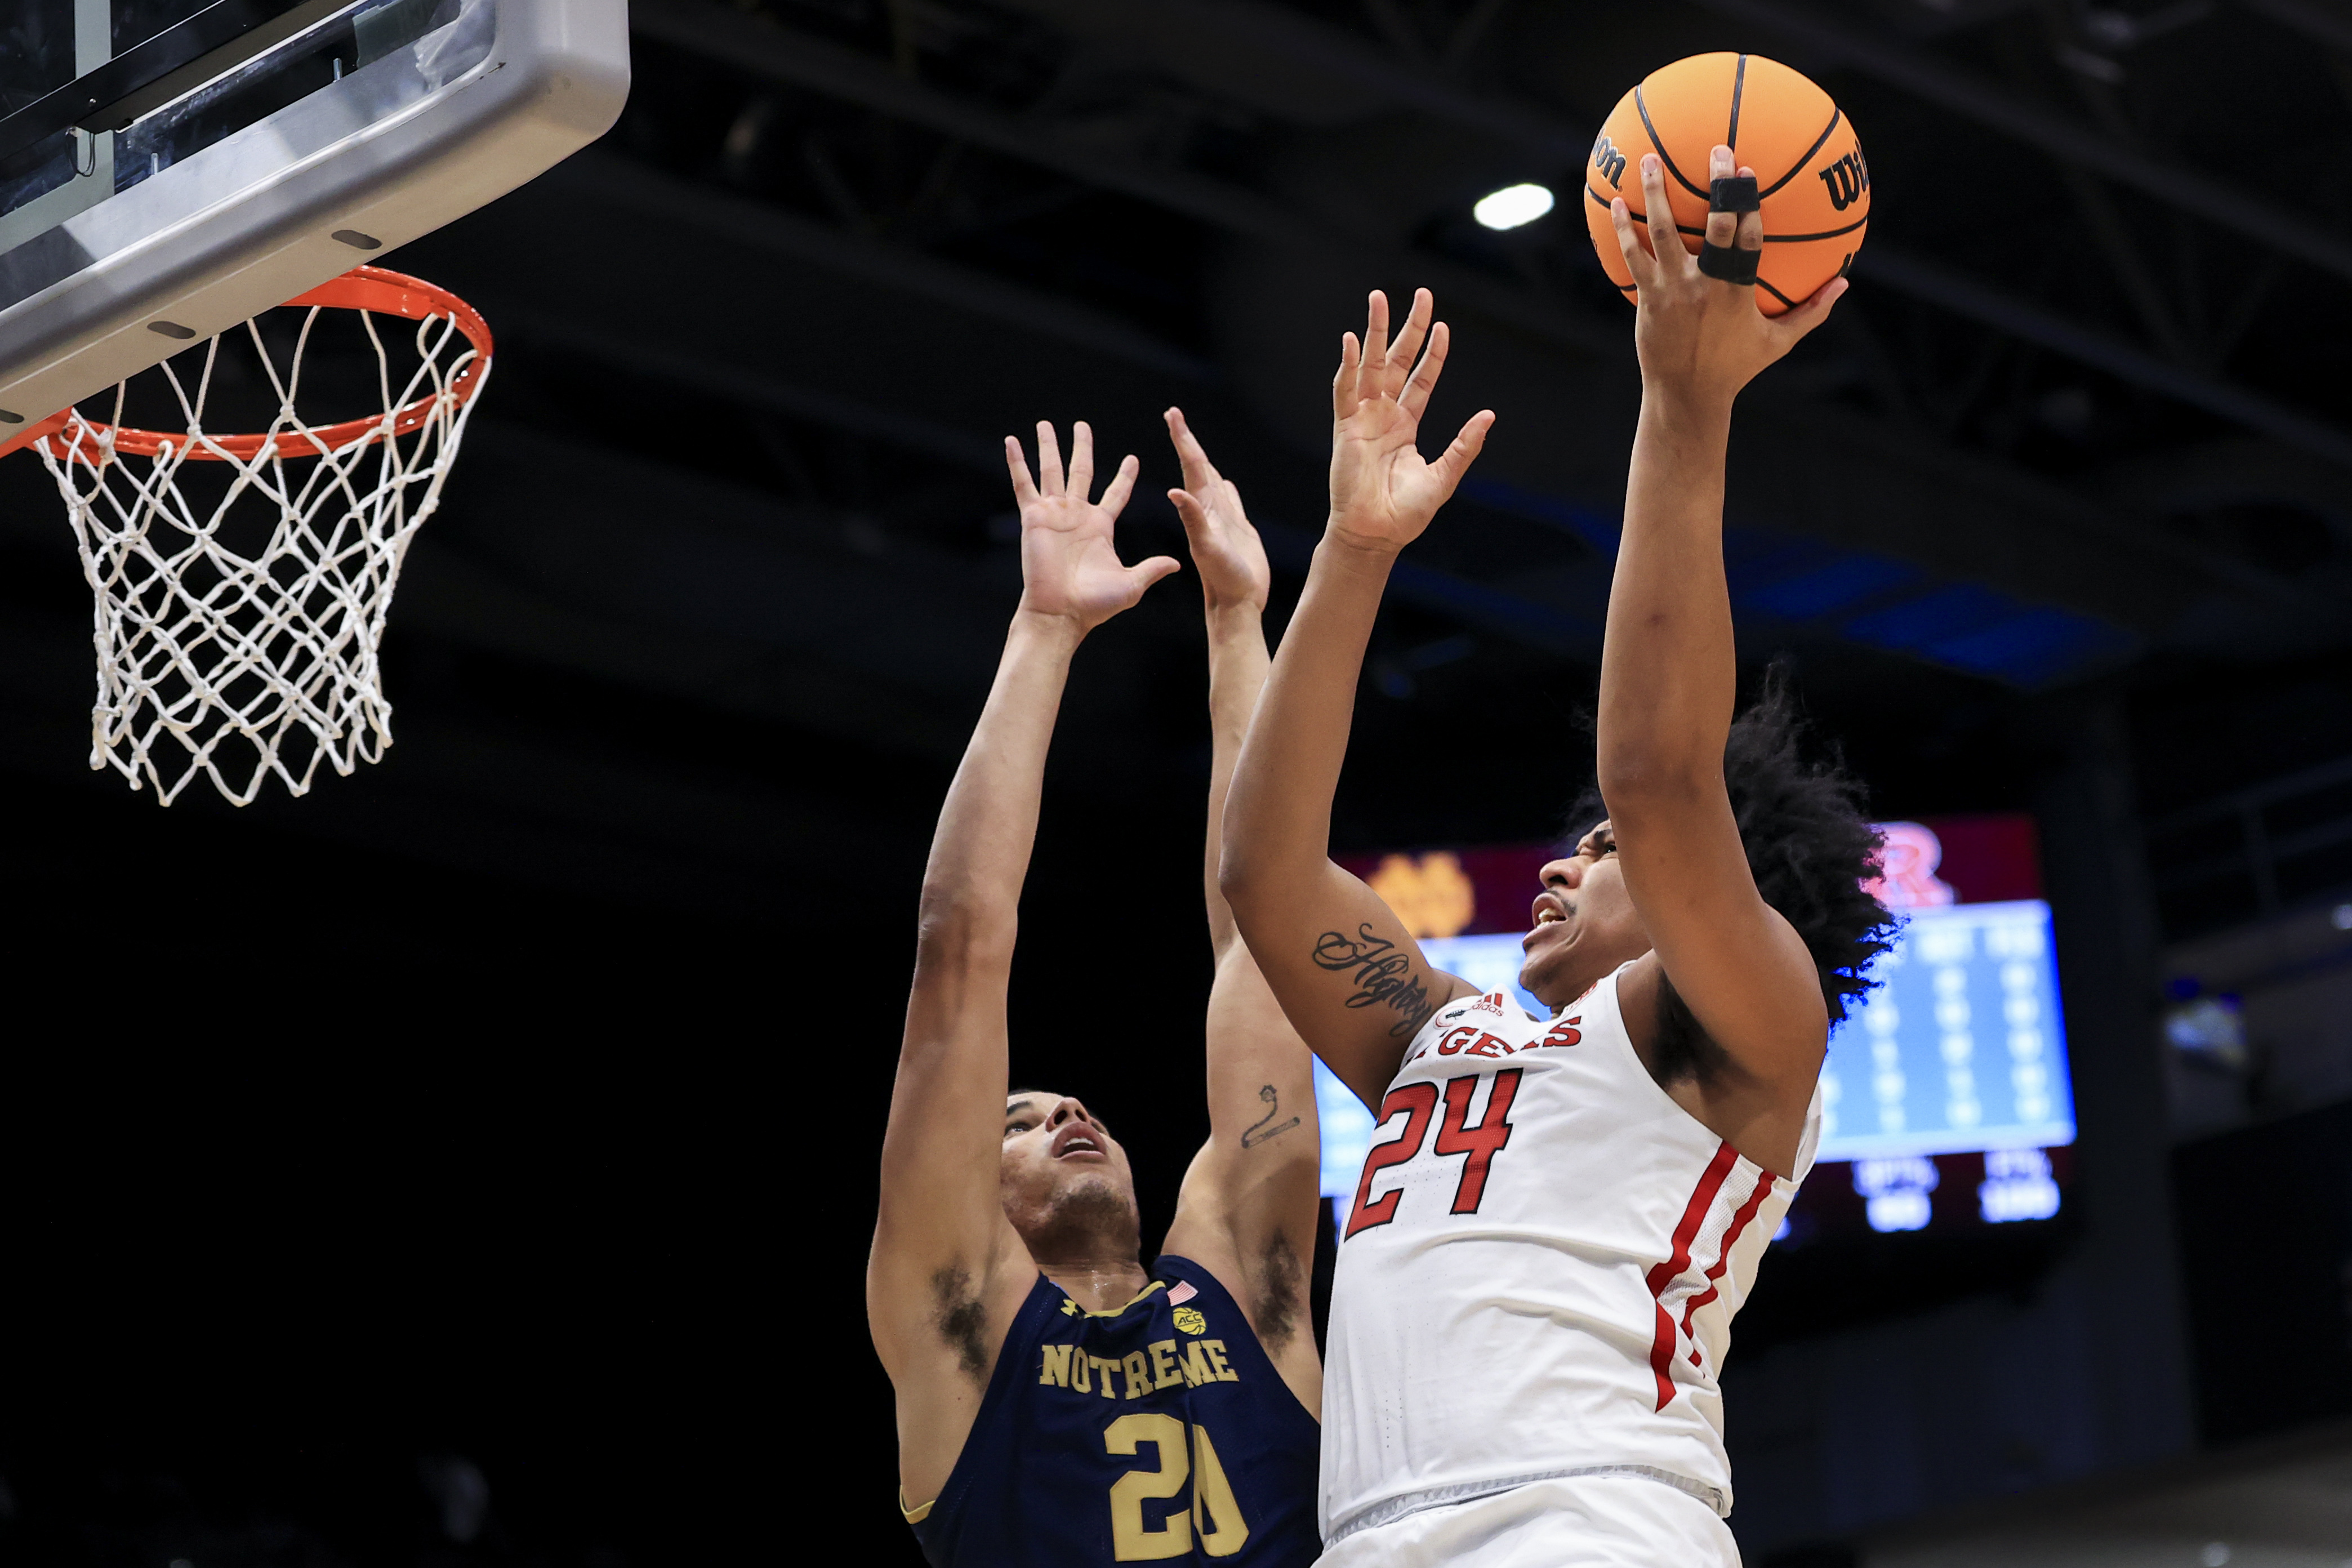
[(1560, 1215)]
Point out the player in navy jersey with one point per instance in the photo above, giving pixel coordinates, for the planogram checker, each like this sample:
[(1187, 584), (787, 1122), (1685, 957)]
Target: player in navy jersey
[(1058, 1402)]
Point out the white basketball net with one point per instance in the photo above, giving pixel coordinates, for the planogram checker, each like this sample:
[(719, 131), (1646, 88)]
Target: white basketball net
[(218, 663)]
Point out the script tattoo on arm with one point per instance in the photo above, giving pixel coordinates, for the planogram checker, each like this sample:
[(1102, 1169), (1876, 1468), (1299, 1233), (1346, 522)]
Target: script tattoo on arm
[(1259, 1132), (1383, 973)]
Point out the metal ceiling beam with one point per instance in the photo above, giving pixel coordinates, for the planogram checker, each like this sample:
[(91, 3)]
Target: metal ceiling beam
[(1284, 34), (1328, 48), (682, 213), (828, 68), (1302, 43), (2249, 218), (762, 48), (668, 204), (1963, 295), (1990, 526)]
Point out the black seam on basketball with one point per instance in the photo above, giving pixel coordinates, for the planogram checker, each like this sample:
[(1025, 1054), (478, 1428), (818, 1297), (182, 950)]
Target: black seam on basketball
[(1826, 233), (1641, 218), (1680, 228), (1664, 156), (1776, 293), (1835, 115), (1738, 81)]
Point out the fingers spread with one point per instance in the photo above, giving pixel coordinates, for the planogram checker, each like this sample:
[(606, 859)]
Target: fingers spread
[(1023, 491), (1191, 514), (1198, 472), (1796, 324), (1082, 459), (1409, 341), (1049, 459), (1122, 483), (1629, 241), (1425, 374), (1665, 244), (1721, 227), (1376, 344), (1344, 384), (1464, 450), (1144, 573)]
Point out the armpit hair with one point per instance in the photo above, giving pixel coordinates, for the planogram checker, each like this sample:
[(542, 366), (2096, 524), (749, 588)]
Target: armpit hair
[(1281, 1291), (959, 1317)]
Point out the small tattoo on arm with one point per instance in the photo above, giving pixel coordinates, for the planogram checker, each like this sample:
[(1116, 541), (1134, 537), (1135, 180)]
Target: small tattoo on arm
[(1383, 976), (1259, 1132)]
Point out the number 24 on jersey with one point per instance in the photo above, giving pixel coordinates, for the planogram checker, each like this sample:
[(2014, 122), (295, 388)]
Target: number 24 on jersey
[(1418, 1103)]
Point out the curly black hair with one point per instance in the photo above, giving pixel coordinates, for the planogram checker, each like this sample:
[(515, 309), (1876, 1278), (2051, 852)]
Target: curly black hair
[(1810, 848)]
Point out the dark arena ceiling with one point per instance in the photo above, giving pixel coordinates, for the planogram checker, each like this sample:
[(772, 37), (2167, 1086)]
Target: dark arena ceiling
[(2076, 436), (685, 662)]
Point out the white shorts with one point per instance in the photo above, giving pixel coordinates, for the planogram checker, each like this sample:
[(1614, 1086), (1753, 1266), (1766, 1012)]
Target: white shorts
[(1576, 1521)]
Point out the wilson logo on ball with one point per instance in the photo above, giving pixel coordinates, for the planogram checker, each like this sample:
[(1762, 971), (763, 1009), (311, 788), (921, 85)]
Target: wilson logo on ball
[(1847, 179), (1609, 160)]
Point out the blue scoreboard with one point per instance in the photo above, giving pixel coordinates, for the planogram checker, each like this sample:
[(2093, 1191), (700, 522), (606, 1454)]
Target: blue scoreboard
[(1960, 1049)]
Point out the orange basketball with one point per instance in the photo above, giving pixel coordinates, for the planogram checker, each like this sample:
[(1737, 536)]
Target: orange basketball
[(1809, 167)]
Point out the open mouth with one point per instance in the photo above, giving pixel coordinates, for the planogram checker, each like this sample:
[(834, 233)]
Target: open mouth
[(1546, 913), (1076, 1141)]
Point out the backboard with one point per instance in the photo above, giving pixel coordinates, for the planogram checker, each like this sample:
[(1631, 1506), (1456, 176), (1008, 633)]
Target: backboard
[(170, 168)]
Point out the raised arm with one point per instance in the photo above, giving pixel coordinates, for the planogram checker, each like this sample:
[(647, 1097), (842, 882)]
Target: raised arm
[(1667, 668), (948, 1270), (1246, 1212), (1348, 974)]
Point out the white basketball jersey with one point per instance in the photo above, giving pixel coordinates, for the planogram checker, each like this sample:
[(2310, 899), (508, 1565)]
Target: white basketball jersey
[(1538, 1275)]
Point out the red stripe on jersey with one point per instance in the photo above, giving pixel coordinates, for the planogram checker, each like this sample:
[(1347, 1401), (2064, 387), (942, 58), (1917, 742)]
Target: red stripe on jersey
[(1702, 1198), (1723, 1256)]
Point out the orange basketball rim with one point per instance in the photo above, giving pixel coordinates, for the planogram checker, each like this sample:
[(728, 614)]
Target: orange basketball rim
[(373, 288)]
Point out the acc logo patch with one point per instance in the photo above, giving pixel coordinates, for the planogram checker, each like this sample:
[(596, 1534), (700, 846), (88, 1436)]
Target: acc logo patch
[(1189, 1319)]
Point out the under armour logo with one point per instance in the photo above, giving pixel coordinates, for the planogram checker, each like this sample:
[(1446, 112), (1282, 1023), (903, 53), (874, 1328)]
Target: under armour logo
[(1847, 179)]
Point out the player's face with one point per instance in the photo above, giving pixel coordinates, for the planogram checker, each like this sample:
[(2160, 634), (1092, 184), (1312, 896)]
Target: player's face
[(1585, 924), (1064, 1179)]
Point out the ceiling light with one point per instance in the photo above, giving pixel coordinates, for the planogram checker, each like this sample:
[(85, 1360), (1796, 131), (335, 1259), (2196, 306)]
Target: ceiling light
[(1512, 206)]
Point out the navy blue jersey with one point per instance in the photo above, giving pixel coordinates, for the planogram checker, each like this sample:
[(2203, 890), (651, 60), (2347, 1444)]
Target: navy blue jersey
[(1158, 1432)]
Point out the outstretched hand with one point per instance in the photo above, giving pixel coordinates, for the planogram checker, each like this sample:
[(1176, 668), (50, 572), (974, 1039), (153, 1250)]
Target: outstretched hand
[(1226, 550), (1382, 493), (1698, 336), (1069, 570)]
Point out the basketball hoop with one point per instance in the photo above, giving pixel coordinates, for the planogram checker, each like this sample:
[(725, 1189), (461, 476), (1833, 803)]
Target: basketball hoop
[(212, 647)]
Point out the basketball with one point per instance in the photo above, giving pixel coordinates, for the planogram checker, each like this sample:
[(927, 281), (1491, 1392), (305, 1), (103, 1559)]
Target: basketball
[(1810, 169)]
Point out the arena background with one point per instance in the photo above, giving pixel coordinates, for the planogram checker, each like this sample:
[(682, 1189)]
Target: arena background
[(473, 1163)]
